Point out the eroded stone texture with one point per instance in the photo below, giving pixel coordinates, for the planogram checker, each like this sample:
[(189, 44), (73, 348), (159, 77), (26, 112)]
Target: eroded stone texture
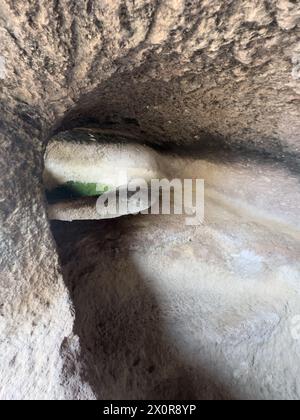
[(180, 72), (222, 68)]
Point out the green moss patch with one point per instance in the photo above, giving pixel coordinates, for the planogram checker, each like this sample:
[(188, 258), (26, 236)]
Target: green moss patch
[(73, 190)]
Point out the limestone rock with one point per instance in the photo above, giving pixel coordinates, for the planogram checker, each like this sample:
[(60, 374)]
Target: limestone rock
[(186, 76), (90, 159)]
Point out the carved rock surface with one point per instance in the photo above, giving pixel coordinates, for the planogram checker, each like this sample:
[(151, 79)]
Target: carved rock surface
[(183, 75)]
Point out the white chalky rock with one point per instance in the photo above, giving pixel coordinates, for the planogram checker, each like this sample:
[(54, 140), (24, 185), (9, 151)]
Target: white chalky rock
[(93, 168), (113, 164)]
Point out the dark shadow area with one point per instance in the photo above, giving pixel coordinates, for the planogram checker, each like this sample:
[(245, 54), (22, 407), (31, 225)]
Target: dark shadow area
[(134, 110), (220, 152), (126, 351)]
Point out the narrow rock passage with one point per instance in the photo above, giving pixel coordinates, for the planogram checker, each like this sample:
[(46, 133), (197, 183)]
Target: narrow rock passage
[(167, 311), (146, 306)]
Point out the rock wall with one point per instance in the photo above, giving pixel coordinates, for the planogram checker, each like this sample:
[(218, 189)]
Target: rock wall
[(187, 73)]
